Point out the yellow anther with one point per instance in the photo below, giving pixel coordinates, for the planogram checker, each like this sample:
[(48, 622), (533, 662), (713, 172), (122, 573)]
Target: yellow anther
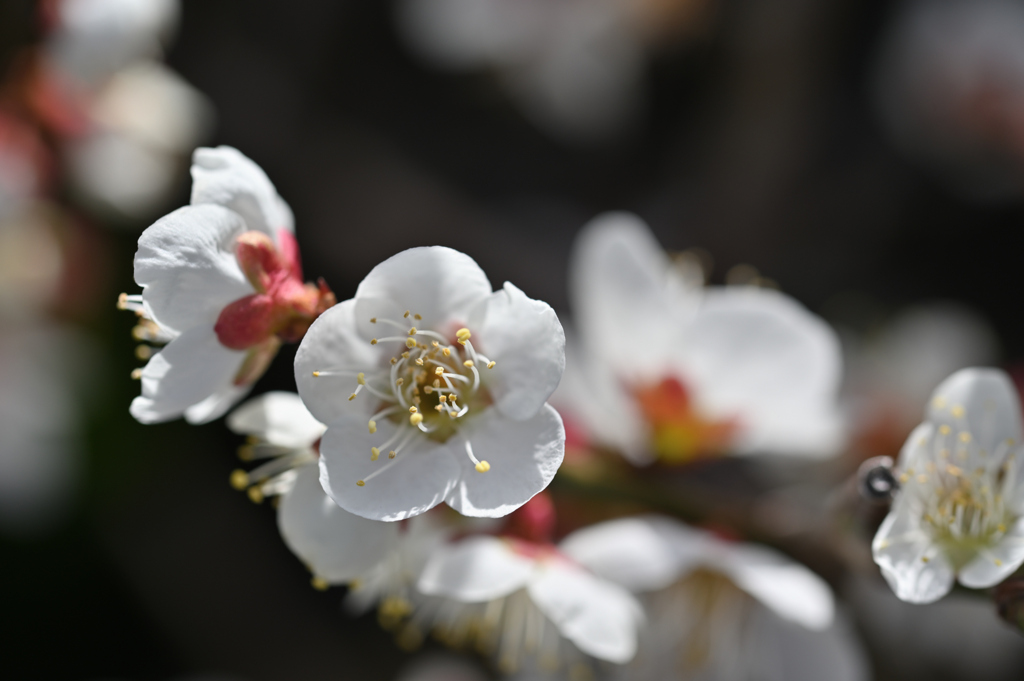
[(255, 495), (998, 562), (410, 342), (416, 399), (944, 429), (1001, 527), (490, 365), (463, 334), (416, 419), (904, 478), (405, 355), (412, 410), (447, 352), (373, 341), (437, 383), (360, 483), (924, 559), (443, 398), (400, 381), (438, 408), (417, 317), (412, 331), (239, 479), (922, 478), (428, 389), (245, 453), (351, 397), (939, 402), (483, 467), (451, 414), (394, 361), (373, 427), (957, 411), (373, 320), (435, 344), (438, 371), (143, 352), (406, 315), (136, 374), (392, 454), (361, 378), (319, 583), (468, 363), (122, 301), (316, 374), (419, 361), (965, 437), (374, 453), (954, 471)]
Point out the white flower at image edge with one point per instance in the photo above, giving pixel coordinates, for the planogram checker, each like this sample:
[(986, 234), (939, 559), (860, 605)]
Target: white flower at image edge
[(960, 512), (335, 545), (522, 590), (434, 388)]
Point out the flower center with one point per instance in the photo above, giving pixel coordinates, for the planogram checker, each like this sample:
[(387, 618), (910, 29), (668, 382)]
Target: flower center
[(427, 388), (679, 433)]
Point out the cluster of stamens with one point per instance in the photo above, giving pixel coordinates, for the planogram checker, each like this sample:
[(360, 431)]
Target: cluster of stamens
[(145, 331), (426, 388)]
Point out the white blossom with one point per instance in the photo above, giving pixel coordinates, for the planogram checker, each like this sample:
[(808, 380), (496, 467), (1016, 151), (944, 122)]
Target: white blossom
[(960, 513), (222, 282), (665, 367), (433, 388)]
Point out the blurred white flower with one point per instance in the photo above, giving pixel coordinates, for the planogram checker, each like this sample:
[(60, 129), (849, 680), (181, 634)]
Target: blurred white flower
[(519, 600), (719, 610), (950, 86), (665, 368), (23, 161), (222, 282), (960, 513), (408, 354)]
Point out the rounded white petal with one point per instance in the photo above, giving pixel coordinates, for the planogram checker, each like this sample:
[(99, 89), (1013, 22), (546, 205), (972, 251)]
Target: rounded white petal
[(598, 616), (475, 570), (226, 177), (784, 650), (759, 356), (626, 294), (995, 564), (525, 339), (415, 481), (913, 567), (630, 552), (440, 284), (524, 456), (280, 418), (917, 449), (982, 402), (335, 544), (787, 588), (187, 267), (217, 404), (189, 369), (332, 346)]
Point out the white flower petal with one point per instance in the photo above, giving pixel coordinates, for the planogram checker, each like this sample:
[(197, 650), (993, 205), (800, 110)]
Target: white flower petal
[(280, 418), (335, 544), (631, 552), (524, 456), (916, 570), (187, 267), (217, 404), (784, 650), (626, 293), (226, 177), (982, 402), (331, 345), (759, 356), (789, 589), (598, 616), (189, 369), (414, 482), (917, 449), (475, 570), (440, 284), (995, 564), (525, 339)]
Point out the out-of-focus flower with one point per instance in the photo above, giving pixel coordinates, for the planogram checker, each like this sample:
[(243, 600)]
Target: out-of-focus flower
[(575, 67), (666, 368), (960, 514), (222, 282), (891, 373), (719, 610), (518, 600), (24, 164), (950, 87), (410, 348), (335, 545)]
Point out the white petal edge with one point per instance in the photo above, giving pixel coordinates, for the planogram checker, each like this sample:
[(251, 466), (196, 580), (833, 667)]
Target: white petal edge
[(993, 565), (278, 417), (226, 177), (980, 401), (916, 570), (475, 570)]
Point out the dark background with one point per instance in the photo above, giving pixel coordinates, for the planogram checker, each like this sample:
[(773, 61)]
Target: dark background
[(759, 145)]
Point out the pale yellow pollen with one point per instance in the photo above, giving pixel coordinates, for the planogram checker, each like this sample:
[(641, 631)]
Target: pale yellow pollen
[(136, 374), (316, 374), (435, 344), (373, 427), (490, 365), (373, 341), (245, 453), (443, 398), (954, 470), (924, 559), (944, 429), (419, 361), (143, 352), (418, 317), (904, 478), (412, 331), (438, 408), (957, 411), (319, 583), (428, 389), (1009, 442), (405, 354), (394, 361), (400, 381), (416, 419), (468, 363), (374, 453), (922, 478), (483, 467), (239, 479), (939, 402), (965, 437), (373, 320), (360, 483), (437, 383), (255, 495), (884, 544), (1001, 527), (998, 562), (122, 301), (451, 414), (438, 371), (351, 397), (392, 454), (361, 378), (463, 334), (410, 342), (447, 352), (406, 315), (412, 410)]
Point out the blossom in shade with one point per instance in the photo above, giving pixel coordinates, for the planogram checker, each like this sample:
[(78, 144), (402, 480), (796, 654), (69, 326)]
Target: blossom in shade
[(960, 512), (665, 368), (525, 603), (434, 389), (222, 285), (718, 609), (335, 545)]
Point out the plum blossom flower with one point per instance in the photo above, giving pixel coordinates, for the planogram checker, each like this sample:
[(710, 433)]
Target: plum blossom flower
[(665, 368), (960, 513), (519, 600), (717, 609), (222, 283), (335, 545), (434, 388)]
